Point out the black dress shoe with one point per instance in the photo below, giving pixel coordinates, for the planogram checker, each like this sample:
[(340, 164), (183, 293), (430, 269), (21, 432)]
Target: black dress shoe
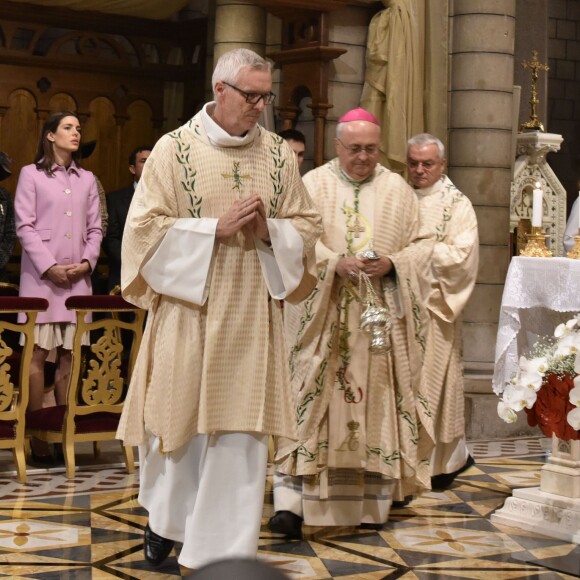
[(41, 460), (444, 480), (402, 503), (369, 526), (287, 523), (155, 547)]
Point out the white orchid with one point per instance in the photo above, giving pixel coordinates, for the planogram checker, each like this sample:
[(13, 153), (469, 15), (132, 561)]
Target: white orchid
[(530, 380), (518, 396), (565, 328), (538, 364), (567, 345), (575, 393), (573, 418), (506, 413)]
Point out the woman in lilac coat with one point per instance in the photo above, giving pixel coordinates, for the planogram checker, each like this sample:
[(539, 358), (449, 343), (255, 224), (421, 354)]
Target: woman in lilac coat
[(59, 226)]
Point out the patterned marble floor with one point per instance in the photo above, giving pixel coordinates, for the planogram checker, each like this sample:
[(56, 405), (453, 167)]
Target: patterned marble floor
[(91, 528)]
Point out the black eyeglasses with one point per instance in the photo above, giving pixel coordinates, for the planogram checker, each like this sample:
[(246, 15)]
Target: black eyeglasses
[(358, 149), (427, 165), (254, 98)]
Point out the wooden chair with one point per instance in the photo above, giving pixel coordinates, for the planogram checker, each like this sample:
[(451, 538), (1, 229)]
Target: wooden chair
[(15, 373), (9, 289), (99, 379)]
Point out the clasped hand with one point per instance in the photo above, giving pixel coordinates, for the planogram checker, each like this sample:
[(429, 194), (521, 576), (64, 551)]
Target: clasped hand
[(63, 275), (249, 214), (350, 266)]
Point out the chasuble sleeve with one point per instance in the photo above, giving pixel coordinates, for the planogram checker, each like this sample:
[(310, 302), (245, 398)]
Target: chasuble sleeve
[(407, 224), (300, 212), (315, 188), (454, 265)]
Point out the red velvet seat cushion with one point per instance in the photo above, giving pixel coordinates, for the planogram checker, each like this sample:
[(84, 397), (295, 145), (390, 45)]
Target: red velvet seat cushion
[(22, 303), (7, 429), (99, 302), (52, 418)]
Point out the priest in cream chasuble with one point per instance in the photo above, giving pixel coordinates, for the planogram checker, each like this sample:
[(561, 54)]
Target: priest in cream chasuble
[(220, 230), (448, 246), (362, 419)]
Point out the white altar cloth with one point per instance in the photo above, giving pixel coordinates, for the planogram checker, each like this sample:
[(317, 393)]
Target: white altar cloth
[(539, 294)]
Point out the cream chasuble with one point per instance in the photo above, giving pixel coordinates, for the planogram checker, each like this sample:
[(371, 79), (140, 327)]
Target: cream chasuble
[(216, 361), (355, 410), (448, 247)]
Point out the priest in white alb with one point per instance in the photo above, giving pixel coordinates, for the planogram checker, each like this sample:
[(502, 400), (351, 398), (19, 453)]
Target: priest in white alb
[(448, 247), (220, 230), (362, 421)]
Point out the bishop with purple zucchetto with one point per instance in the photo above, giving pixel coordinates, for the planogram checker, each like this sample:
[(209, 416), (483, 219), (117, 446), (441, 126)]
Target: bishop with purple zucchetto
[(365, 428)]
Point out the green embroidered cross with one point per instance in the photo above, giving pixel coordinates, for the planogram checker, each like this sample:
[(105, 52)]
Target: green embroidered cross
[(236, 176)]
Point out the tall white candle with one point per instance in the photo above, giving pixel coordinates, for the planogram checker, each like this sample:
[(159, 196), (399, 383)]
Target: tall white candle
[(537, 209)]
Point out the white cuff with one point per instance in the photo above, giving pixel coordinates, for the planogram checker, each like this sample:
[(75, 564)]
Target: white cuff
[(180, 265)]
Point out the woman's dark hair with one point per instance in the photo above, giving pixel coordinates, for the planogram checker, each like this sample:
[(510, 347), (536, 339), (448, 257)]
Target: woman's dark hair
[(44, 158)]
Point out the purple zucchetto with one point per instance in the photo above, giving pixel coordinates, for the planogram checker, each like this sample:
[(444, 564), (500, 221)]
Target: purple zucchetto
[(358, 114)]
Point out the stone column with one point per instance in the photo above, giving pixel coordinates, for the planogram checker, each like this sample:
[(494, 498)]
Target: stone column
[(239, 24), (480, 154)]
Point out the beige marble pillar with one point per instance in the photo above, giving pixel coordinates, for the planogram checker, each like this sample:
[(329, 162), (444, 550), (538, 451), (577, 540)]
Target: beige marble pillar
[(239, 24), (480, 154)]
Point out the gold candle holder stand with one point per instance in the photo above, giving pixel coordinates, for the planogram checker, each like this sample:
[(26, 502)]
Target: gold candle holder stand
[(536, 246), (574, 253)]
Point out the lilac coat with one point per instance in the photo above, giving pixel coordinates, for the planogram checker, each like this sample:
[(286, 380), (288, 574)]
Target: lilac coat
[(58, 222)]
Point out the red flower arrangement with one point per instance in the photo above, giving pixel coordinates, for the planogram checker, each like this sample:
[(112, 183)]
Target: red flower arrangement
[(552, 407)]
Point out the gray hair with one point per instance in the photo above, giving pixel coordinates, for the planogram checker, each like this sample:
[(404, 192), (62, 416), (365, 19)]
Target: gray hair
[(423, 139), (230, 64)]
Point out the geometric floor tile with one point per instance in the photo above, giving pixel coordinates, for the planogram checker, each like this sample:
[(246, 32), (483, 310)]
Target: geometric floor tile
[(32, 536), (453, 541), (91, 527)]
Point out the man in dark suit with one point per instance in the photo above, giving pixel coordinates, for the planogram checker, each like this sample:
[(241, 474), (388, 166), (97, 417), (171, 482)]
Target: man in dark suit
[(118, 203)]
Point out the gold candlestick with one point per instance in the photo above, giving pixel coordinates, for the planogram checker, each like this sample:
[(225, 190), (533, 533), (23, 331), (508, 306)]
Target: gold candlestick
[(574, 253), (536, 246)]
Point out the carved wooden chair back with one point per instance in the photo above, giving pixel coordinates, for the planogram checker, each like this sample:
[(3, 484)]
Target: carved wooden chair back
[(14, 373), (99, 379)]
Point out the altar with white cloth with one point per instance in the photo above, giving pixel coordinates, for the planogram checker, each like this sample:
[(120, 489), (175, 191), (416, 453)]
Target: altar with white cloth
[(539, 294)]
